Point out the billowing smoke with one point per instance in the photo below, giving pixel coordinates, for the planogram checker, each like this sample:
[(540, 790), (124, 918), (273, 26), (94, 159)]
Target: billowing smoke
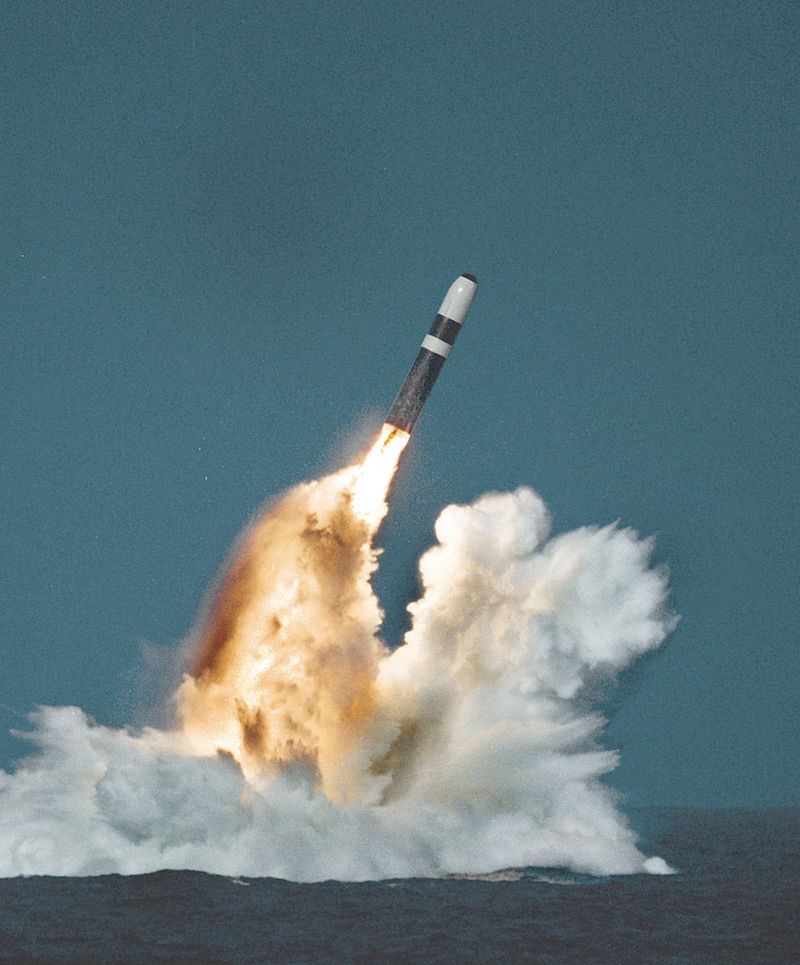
[(306, 750), (288, 654)]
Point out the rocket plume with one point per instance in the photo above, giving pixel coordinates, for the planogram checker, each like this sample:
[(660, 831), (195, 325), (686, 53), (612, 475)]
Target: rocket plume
[(467, 749), (287, 657)]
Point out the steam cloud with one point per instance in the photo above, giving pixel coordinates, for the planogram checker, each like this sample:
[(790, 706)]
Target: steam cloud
[(306, 750)]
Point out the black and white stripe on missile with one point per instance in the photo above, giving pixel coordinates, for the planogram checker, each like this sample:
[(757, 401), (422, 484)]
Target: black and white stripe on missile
[(441, 336), (433, 344)]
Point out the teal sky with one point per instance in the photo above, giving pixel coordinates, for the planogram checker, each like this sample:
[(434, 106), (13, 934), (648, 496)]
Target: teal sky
[(225, 229)]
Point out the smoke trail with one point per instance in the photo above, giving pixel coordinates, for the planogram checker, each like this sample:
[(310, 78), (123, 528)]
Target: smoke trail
[(289, 655), (306, 750)]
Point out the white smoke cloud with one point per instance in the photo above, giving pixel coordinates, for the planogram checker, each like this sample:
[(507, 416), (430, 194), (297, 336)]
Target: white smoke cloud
[(479, 753)]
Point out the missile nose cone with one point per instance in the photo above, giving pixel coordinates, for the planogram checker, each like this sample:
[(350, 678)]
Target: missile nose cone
[(458, 299), (471, 277)]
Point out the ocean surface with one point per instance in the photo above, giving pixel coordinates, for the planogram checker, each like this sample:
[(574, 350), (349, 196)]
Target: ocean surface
[(735, 898)]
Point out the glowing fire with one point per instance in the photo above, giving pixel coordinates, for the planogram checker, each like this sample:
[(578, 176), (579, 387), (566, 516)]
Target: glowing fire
[(376, 473), (287, 654)]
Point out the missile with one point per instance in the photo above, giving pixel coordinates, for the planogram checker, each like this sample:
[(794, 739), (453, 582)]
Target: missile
[(434, 350)]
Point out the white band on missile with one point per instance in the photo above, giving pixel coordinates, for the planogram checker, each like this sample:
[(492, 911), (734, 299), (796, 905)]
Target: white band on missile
[(458, 299), (434, 344)]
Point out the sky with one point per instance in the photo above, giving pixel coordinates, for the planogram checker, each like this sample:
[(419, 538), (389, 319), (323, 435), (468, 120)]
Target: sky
[(226, 227)]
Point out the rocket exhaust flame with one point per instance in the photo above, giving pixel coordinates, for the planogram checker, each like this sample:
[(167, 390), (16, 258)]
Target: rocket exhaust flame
[(376, 472), (276, 679)]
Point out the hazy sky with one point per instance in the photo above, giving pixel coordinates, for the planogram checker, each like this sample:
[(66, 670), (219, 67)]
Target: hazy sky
[(225, 229)]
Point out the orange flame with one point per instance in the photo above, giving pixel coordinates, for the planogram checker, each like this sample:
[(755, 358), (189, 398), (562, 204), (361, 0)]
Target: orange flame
[(287, 654), (376, 473)]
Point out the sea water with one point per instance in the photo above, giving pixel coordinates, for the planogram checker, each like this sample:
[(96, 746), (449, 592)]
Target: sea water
[(735, 898)]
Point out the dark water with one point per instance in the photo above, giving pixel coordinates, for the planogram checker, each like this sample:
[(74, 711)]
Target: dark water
[(736, 899)]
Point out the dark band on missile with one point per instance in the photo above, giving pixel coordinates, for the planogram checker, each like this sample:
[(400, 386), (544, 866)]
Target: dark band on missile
[(445, 329), (415, 390)]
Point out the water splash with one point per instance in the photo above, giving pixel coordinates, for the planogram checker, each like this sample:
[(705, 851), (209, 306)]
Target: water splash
[(306, 750)]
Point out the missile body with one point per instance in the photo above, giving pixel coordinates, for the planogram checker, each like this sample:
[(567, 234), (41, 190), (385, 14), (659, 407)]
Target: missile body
[(434, 350)]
